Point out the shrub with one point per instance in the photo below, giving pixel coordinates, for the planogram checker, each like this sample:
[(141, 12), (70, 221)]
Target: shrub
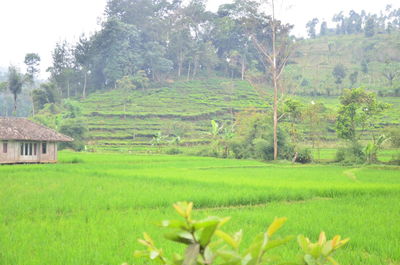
[(351, 155), (173, 151), (75, 128), (304, 156), (394, 135), (254, 138), (199, 237)]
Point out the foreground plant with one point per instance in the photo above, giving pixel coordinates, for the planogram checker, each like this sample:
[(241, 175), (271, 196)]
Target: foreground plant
[(208, 244)]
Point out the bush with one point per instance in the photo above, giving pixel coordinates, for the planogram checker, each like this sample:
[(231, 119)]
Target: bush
[(207, 243), (173, 151), (304, 156), (350, 155), (254, 138), (394, 135), (207, 152), (75, 128)]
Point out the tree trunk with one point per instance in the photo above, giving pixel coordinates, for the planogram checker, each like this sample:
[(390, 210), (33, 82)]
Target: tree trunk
[(195, 66), (243, 67), (188, 73), (275, 80), (180, 63), (15, 105), (67, 88), (84, 86)]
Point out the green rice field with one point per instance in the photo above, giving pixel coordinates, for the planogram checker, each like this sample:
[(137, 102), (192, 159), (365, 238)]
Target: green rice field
[(91, 208)]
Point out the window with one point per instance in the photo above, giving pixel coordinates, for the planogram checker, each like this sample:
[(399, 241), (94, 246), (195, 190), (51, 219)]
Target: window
[(29, 149), (5, 147), (26, 149), (44, 148)]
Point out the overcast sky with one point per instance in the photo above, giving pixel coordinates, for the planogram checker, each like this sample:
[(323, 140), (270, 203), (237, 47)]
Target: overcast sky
[(36, 25)]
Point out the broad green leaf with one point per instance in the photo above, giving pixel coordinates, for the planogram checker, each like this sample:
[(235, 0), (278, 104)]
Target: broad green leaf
[(327, 248), (276, 224), (207, 234), (148, 238), (174, 224), (229, 255), (210, 221), (277, 242), (341, 243), (179, 209), (303, 243), (180, 237), (322, 238), (316, 251), (227, 238)]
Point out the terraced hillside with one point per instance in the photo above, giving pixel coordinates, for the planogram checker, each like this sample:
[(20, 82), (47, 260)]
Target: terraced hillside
[(181, 109), (129, 123), (128, 120), (314, 60)]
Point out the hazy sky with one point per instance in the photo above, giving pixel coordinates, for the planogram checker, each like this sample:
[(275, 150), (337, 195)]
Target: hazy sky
[(36, 25)]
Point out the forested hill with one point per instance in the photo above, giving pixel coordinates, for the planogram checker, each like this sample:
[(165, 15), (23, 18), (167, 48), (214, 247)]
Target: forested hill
[(129, 118)]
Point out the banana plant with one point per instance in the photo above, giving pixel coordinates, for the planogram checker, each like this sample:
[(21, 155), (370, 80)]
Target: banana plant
[(372, 148)]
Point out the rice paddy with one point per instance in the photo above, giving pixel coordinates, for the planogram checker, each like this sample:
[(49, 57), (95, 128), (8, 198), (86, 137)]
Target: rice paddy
[(91, 208)]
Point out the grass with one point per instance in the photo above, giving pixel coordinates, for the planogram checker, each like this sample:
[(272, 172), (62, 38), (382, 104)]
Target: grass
[(91, 208)]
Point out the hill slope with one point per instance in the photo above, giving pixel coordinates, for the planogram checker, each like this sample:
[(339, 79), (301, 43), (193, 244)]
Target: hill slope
[(121, 120)]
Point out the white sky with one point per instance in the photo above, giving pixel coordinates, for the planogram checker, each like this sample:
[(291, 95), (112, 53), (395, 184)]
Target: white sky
[(36, 25)]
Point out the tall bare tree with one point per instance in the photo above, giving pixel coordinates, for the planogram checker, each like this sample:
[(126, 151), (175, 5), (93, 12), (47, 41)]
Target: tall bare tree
[(275, 47)]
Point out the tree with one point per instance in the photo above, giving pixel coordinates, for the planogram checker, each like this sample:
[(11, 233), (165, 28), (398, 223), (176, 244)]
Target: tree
[(315, 116), (369, 29), (274, 45), (311, 27), (324, 29), (32, 62), (353, 78), (339, 73), (62, 69), (356, 113), (364, 66), (15, 82), (391, 71)]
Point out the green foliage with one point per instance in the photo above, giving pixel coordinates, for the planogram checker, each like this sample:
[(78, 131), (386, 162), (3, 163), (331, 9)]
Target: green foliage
[(372, 149), (304, 156), (357, 112), (77, 129), (15, 82), (339, 73), (202, 248), (369, 29), (320, 253), (32, 62), (394, 136), (47, 93), (173, 151), (254, 138), (353, 154)]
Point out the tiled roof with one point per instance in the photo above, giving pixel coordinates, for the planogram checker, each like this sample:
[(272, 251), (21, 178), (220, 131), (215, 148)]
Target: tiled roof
[(24, 129)]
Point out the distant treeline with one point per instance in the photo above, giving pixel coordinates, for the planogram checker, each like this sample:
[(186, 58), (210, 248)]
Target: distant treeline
[(157, 40), (356, 23)]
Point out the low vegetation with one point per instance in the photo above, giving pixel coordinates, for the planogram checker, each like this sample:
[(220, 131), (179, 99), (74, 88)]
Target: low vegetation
[(91, 208)]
